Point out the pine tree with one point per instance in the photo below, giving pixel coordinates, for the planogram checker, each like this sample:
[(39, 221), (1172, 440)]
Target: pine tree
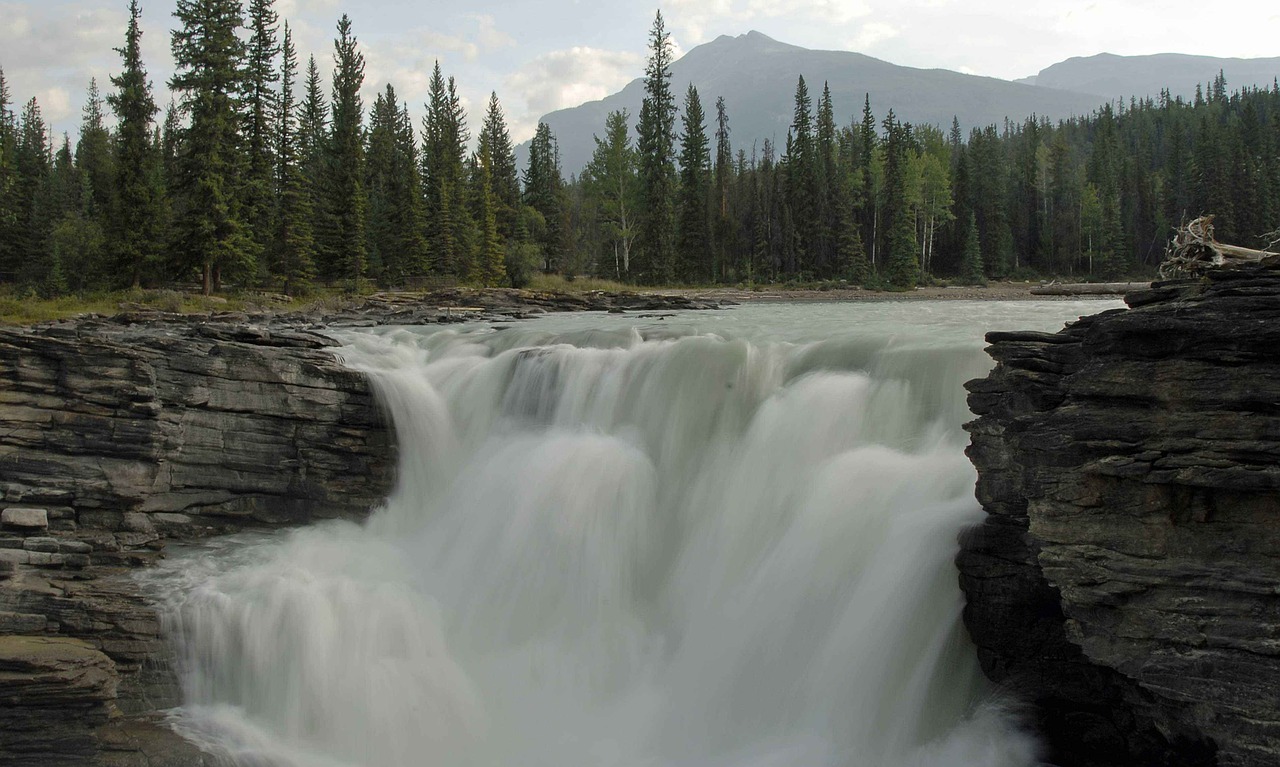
[(135, 222), (210, 232), (723, 229), (294, 261), (543, 191), (94, 157), (655, 247), (825, 182), (9, 256), (488, 267), (347, 200), (261, 108), (971, 261), (611, 181), (801, 169), (902, 269), (495, 140), (396, 242), (693, 243), (33, 163), (444, 140), (867, 163)]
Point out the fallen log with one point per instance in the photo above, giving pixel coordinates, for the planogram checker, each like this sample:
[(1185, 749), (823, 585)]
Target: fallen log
[(1193, 251), (1088, 288)]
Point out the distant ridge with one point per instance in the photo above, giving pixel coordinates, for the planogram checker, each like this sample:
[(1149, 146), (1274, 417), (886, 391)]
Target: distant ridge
[(757, 75), (1119, 77)]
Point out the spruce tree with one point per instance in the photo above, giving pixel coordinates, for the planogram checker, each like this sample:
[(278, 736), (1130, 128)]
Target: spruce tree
[(611, 181), (655, 245), (396, 242), (693, 244), (971, 261), (902, 268), (825, 181), (495, 140), (722, 228), (444, 140), (543, 192), (33, 163), (260, 121), (94, 157), (209, 229), (801, 169), (347, 200), (135, 223), (488, 268), (9, 257), (294, 251)]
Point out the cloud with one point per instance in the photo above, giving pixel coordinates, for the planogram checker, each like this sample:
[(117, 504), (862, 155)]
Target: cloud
[(489, 36), (567, 78), (872, 33), (695, 19)]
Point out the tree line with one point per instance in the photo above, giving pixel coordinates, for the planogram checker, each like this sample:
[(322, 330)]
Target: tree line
[(260, 175)]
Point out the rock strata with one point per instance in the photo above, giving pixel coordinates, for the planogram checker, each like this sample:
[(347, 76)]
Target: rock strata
[(183, 427), (1125, 579), (114, 436)]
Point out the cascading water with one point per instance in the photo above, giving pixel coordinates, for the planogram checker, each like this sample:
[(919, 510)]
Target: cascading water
[(725, 544)]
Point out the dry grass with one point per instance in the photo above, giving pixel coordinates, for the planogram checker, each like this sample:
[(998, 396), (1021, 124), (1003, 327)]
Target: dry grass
[(550, 282), (29, 309)]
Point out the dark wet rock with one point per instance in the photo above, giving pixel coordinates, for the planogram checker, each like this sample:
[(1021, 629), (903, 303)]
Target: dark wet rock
[(214, 426), (1125, 579)]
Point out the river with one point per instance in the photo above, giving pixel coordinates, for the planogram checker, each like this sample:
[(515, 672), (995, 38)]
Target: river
[(711, 539)]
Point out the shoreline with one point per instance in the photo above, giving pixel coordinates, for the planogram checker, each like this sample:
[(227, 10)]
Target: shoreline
[(996, 291)]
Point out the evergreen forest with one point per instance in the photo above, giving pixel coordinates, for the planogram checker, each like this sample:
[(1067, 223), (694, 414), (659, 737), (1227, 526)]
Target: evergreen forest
[(267, 172)]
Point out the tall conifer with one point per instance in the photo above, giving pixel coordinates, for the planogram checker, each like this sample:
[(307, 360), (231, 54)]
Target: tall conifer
[(655, 242), (135, 222)]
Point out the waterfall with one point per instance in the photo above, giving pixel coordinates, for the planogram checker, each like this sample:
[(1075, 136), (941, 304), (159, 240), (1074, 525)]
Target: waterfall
[(726, 542)]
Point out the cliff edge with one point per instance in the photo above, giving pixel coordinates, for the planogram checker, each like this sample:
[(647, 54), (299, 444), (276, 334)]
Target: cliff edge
[(116, 435), (1126, 581)]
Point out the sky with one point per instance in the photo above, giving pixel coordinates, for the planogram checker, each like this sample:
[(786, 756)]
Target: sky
[(539, 57)]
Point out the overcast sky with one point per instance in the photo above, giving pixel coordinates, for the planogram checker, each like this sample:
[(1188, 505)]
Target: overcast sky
[(543, 56)]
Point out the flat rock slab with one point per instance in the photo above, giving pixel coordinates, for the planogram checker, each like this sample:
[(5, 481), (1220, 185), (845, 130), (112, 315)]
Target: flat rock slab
[(22, 518)]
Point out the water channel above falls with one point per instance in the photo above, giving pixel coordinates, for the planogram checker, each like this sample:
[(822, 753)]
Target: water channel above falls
[(718, 539)]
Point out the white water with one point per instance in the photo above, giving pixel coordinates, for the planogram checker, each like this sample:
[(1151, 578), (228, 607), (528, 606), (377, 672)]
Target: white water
[(718, 540)]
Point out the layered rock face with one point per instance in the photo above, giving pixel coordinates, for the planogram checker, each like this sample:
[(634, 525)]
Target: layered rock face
[(182, 426), (1127, 578), (114, 437)]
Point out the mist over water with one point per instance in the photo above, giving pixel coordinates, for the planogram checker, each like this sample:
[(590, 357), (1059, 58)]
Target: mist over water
[(723, 539)]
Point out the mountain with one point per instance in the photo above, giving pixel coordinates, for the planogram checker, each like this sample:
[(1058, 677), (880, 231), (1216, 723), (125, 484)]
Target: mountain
[(1112, 77), (757, 75)]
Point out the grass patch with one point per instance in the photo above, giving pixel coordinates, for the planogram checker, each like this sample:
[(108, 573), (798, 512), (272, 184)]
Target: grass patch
[(556, 282)]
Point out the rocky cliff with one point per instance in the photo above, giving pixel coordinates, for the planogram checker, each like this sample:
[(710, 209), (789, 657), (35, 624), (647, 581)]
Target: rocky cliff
[(114, 436), (1127, 579)]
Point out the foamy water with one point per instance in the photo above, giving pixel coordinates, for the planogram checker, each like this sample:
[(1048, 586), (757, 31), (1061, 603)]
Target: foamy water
[(720, 539)]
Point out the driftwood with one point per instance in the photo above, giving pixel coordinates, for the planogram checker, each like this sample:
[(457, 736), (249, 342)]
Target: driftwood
[(1193, 251), (1089, 288)]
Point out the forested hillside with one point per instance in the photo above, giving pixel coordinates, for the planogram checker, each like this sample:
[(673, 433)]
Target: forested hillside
[(267, 173)]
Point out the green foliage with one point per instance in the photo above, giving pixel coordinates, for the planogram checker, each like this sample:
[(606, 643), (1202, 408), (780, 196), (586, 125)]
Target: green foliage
[(134, 225), (544, 192), (971, 262), (693, 243), (294, 252), (243, 183), (654, 261), (449, 224), (346, 199), (612, 185), (488, 267), (209, 229)]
